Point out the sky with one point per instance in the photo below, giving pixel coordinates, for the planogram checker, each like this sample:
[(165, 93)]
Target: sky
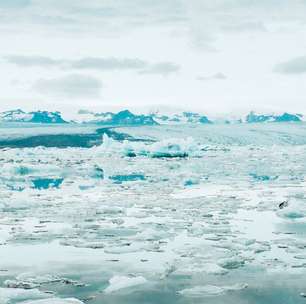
[(211, 55)]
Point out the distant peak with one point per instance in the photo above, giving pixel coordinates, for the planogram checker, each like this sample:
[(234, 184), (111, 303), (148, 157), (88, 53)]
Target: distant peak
[(252, 117), (32, 117)]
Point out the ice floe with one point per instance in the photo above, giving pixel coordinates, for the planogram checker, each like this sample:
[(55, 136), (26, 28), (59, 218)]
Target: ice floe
[(121, 282), (187, 223), (294, 209), (175, 148), (8, 295), (210, 290), (53, 301)]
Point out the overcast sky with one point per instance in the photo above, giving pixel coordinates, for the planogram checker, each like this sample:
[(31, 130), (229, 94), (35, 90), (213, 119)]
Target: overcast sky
[(214, 55)]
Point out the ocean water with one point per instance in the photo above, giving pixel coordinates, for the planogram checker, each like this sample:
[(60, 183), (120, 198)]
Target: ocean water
[(161, 214)]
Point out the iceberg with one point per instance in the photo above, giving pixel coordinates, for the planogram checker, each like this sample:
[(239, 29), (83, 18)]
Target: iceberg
[(210, 290), (183, 226), (53, 301), (168, 148), (122, 282), (12, 295), (295, 209), (46, 183), (119, 179)]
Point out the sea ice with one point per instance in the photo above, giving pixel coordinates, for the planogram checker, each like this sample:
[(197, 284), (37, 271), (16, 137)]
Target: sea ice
[(218, 224), (7, 295), (54, 301), (210, 290), (121, 282), (174, 148), (296, 209)]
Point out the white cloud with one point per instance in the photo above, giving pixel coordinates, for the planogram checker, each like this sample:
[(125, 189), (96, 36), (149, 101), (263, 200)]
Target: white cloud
[(216, 76), (71, 86), (163, 68), (95, 63), (29, 61), (129, 43), (293, 66), (108, 63)]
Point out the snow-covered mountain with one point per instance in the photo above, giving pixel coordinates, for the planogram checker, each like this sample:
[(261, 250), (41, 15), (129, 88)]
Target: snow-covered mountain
[(122, 118), (127, 118), (14, 116), (252, 117), (32, 117), (184, 117)]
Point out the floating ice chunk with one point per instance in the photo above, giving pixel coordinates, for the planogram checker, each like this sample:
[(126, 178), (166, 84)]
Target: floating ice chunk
[(121, 282), (7, 295), (212, 268), (232, 263), (86, 187), (260, 247), (40, 279), (119, 179), (202, 291), (20, 284), (23, 170), (169, 269), (210, 290), (78, 243), (245, 241), (110, 210), (296, 209), (136, 212), (28, 278), (300, 256), (46, 183), (263, 178), (207, 268), (98, 172), (168, 148), (171, 149), (205, 190), (121, 249), (151, 235), (54, 301), (191, 182)]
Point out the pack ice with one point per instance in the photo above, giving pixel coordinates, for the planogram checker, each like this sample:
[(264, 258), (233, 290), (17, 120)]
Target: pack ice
[(172, 214)]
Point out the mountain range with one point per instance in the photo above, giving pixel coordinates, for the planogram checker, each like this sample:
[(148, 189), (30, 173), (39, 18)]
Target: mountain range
[(127, 118), (32, 117)]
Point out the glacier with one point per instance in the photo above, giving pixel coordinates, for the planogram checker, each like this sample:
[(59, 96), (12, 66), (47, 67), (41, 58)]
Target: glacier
[(157, 213)]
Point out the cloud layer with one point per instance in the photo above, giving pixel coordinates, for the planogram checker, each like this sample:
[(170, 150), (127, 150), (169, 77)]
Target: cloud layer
[(217, 76), (293, 66), (95, 63), (206, 53), (71, 86)]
